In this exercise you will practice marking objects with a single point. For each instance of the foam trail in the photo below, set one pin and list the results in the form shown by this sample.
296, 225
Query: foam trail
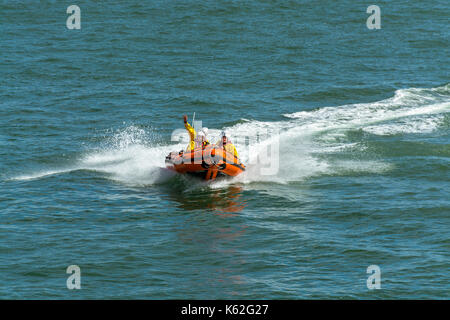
128, 156
42, 174
306, 140
307, 136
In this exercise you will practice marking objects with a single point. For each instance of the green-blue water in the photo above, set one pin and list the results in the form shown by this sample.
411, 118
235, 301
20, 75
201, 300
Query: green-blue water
361, 119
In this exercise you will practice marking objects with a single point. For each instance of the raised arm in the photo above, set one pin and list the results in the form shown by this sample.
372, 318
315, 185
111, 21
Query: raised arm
189, 128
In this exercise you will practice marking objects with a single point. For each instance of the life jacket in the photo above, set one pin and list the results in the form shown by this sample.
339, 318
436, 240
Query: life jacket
192, 136
229, 147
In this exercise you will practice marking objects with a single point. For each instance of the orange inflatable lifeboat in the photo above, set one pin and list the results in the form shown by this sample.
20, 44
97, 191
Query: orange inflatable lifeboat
208, 162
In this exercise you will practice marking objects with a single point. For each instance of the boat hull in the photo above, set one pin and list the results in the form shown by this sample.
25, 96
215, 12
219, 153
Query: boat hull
207, 163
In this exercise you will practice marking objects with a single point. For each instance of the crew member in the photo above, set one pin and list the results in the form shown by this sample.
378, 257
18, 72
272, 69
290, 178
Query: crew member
196, 140
226, 144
